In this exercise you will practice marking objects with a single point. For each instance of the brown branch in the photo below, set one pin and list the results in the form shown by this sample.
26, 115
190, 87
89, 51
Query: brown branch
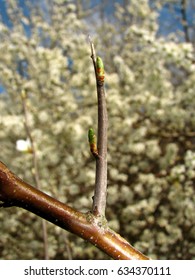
184, 20
15, 192
99, 200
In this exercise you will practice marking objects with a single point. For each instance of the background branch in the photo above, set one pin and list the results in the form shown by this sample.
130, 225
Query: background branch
184, 20
35, 172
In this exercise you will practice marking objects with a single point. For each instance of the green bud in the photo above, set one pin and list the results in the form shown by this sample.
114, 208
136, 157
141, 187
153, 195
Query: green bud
100, 69
92, 142
91, 136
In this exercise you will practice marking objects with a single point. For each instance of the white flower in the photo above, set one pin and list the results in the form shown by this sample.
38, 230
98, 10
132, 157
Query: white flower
138, 148
24, 145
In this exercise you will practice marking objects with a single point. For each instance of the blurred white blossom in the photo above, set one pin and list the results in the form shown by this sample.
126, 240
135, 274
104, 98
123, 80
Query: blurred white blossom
24, 145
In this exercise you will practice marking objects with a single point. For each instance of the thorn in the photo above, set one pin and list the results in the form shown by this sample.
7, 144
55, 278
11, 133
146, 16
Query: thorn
93, 54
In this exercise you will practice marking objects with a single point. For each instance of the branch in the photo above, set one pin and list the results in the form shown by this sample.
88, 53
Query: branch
36, 169
15, 192
99, 200
184, 20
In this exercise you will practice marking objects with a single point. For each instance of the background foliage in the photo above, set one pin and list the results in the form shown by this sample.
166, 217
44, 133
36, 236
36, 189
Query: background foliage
150, 83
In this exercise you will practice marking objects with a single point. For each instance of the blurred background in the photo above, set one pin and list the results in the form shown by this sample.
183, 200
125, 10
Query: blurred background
148, 52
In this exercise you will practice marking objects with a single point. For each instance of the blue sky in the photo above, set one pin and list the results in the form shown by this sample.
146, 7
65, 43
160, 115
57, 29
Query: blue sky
168, 22
3, 13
